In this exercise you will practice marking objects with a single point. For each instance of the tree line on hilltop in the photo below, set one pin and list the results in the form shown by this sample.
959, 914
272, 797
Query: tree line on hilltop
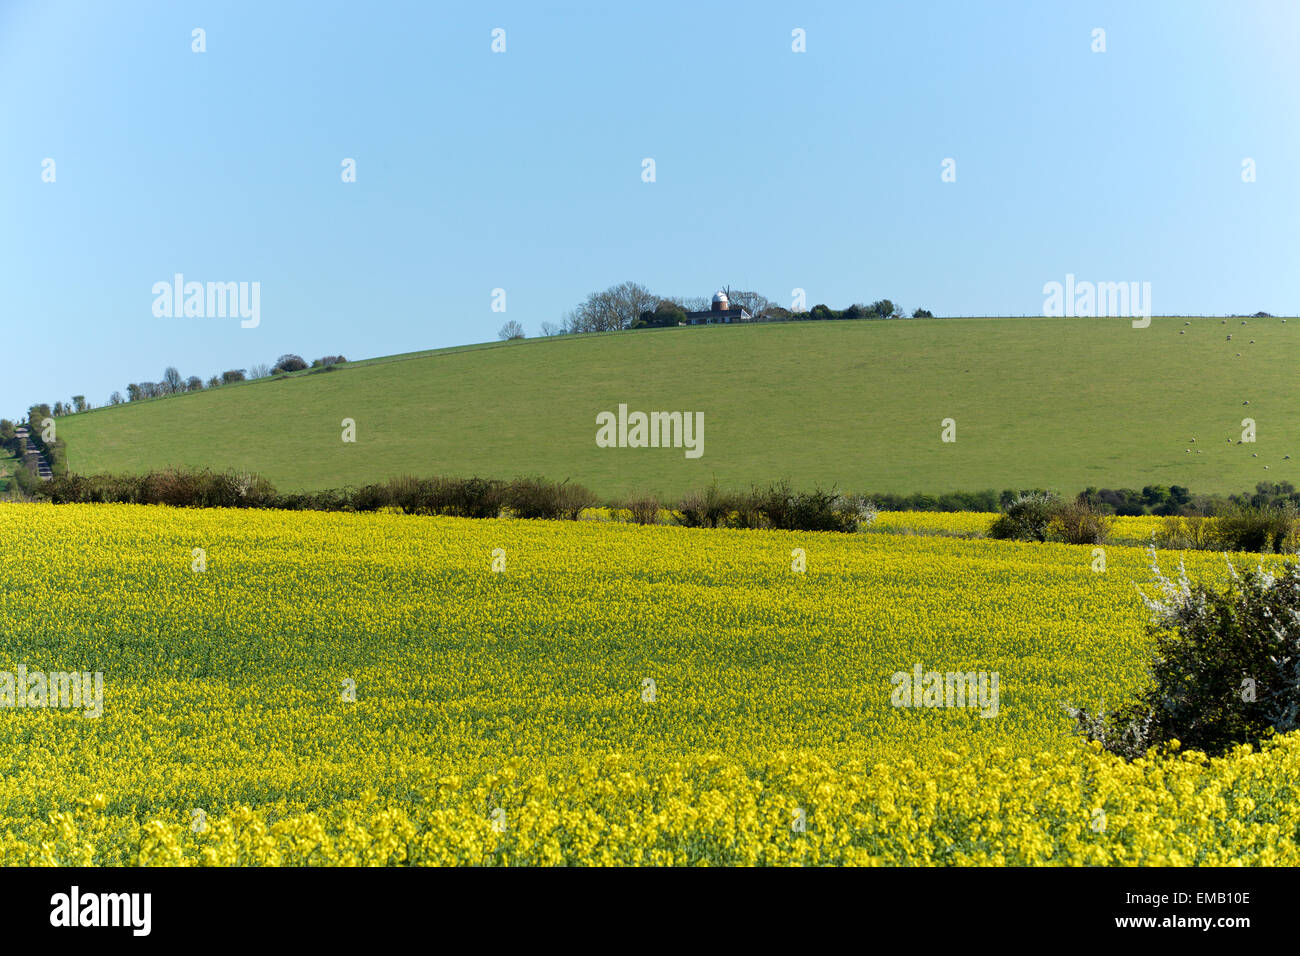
174, 383
630, 305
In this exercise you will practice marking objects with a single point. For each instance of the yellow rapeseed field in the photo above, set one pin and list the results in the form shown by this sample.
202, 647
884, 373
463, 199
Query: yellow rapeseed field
289, 688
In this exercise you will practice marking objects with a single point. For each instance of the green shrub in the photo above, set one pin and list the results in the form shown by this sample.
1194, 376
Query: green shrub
1077, 522
1225, 667
1027, 518
1265, 530
817, 510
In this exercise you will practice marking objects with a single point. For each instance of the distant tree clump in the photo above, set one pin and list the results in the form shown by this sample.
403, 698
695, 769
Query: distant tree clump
288, 363
666, 314
923, 314
616, 308
511, 330
234, 375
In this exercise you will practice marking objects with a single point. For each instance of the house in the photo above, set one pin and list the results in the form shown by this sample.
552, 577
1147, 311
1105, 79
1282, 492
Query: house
721, 311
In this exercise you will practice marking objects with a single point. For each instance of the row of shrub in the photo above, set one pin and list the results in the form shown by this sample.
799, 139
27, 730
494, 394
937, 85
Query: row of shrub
778, 506
460, 497
1031, 516
1172, 500
1270, 528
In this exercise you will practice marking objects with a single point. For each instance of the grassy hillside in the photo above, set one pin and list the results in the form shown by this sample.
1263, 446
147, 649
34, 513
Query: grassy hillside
1060, 403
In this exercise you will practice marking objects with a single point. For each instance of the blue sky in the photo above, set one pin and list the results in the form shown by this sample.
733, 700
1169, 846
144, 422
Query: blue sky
522, 170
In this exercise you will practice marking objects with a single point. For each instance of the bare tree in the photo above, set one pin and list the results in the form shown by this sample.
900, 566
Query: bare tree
753, 303
261, 370
612, 309
511, 330
550, 328
172, 381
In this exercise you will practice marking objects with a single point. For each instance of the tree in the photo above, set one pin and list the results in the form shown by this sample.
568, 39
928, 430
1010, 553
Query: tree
115, 398
666, 314
923, 314
615, 308
237, 375
60, 409
511, 330
259, 371
550, 328
79, 403
214, 382
753, 303
134, 392
194, 384
883, 308
172, 379
289, 363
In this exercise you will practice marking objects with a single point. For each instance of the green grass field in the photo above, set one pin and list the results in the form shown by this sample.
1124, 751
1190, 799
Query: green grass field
1059, 403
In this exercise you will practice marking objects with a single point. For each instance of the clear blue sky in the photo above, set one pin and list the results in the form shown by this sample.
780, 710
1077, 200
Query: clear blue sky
522, 170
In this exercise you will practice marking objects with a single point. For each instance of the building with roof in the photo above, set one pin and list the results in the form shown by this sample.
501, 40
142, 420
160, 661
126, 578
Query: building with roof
720, 311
